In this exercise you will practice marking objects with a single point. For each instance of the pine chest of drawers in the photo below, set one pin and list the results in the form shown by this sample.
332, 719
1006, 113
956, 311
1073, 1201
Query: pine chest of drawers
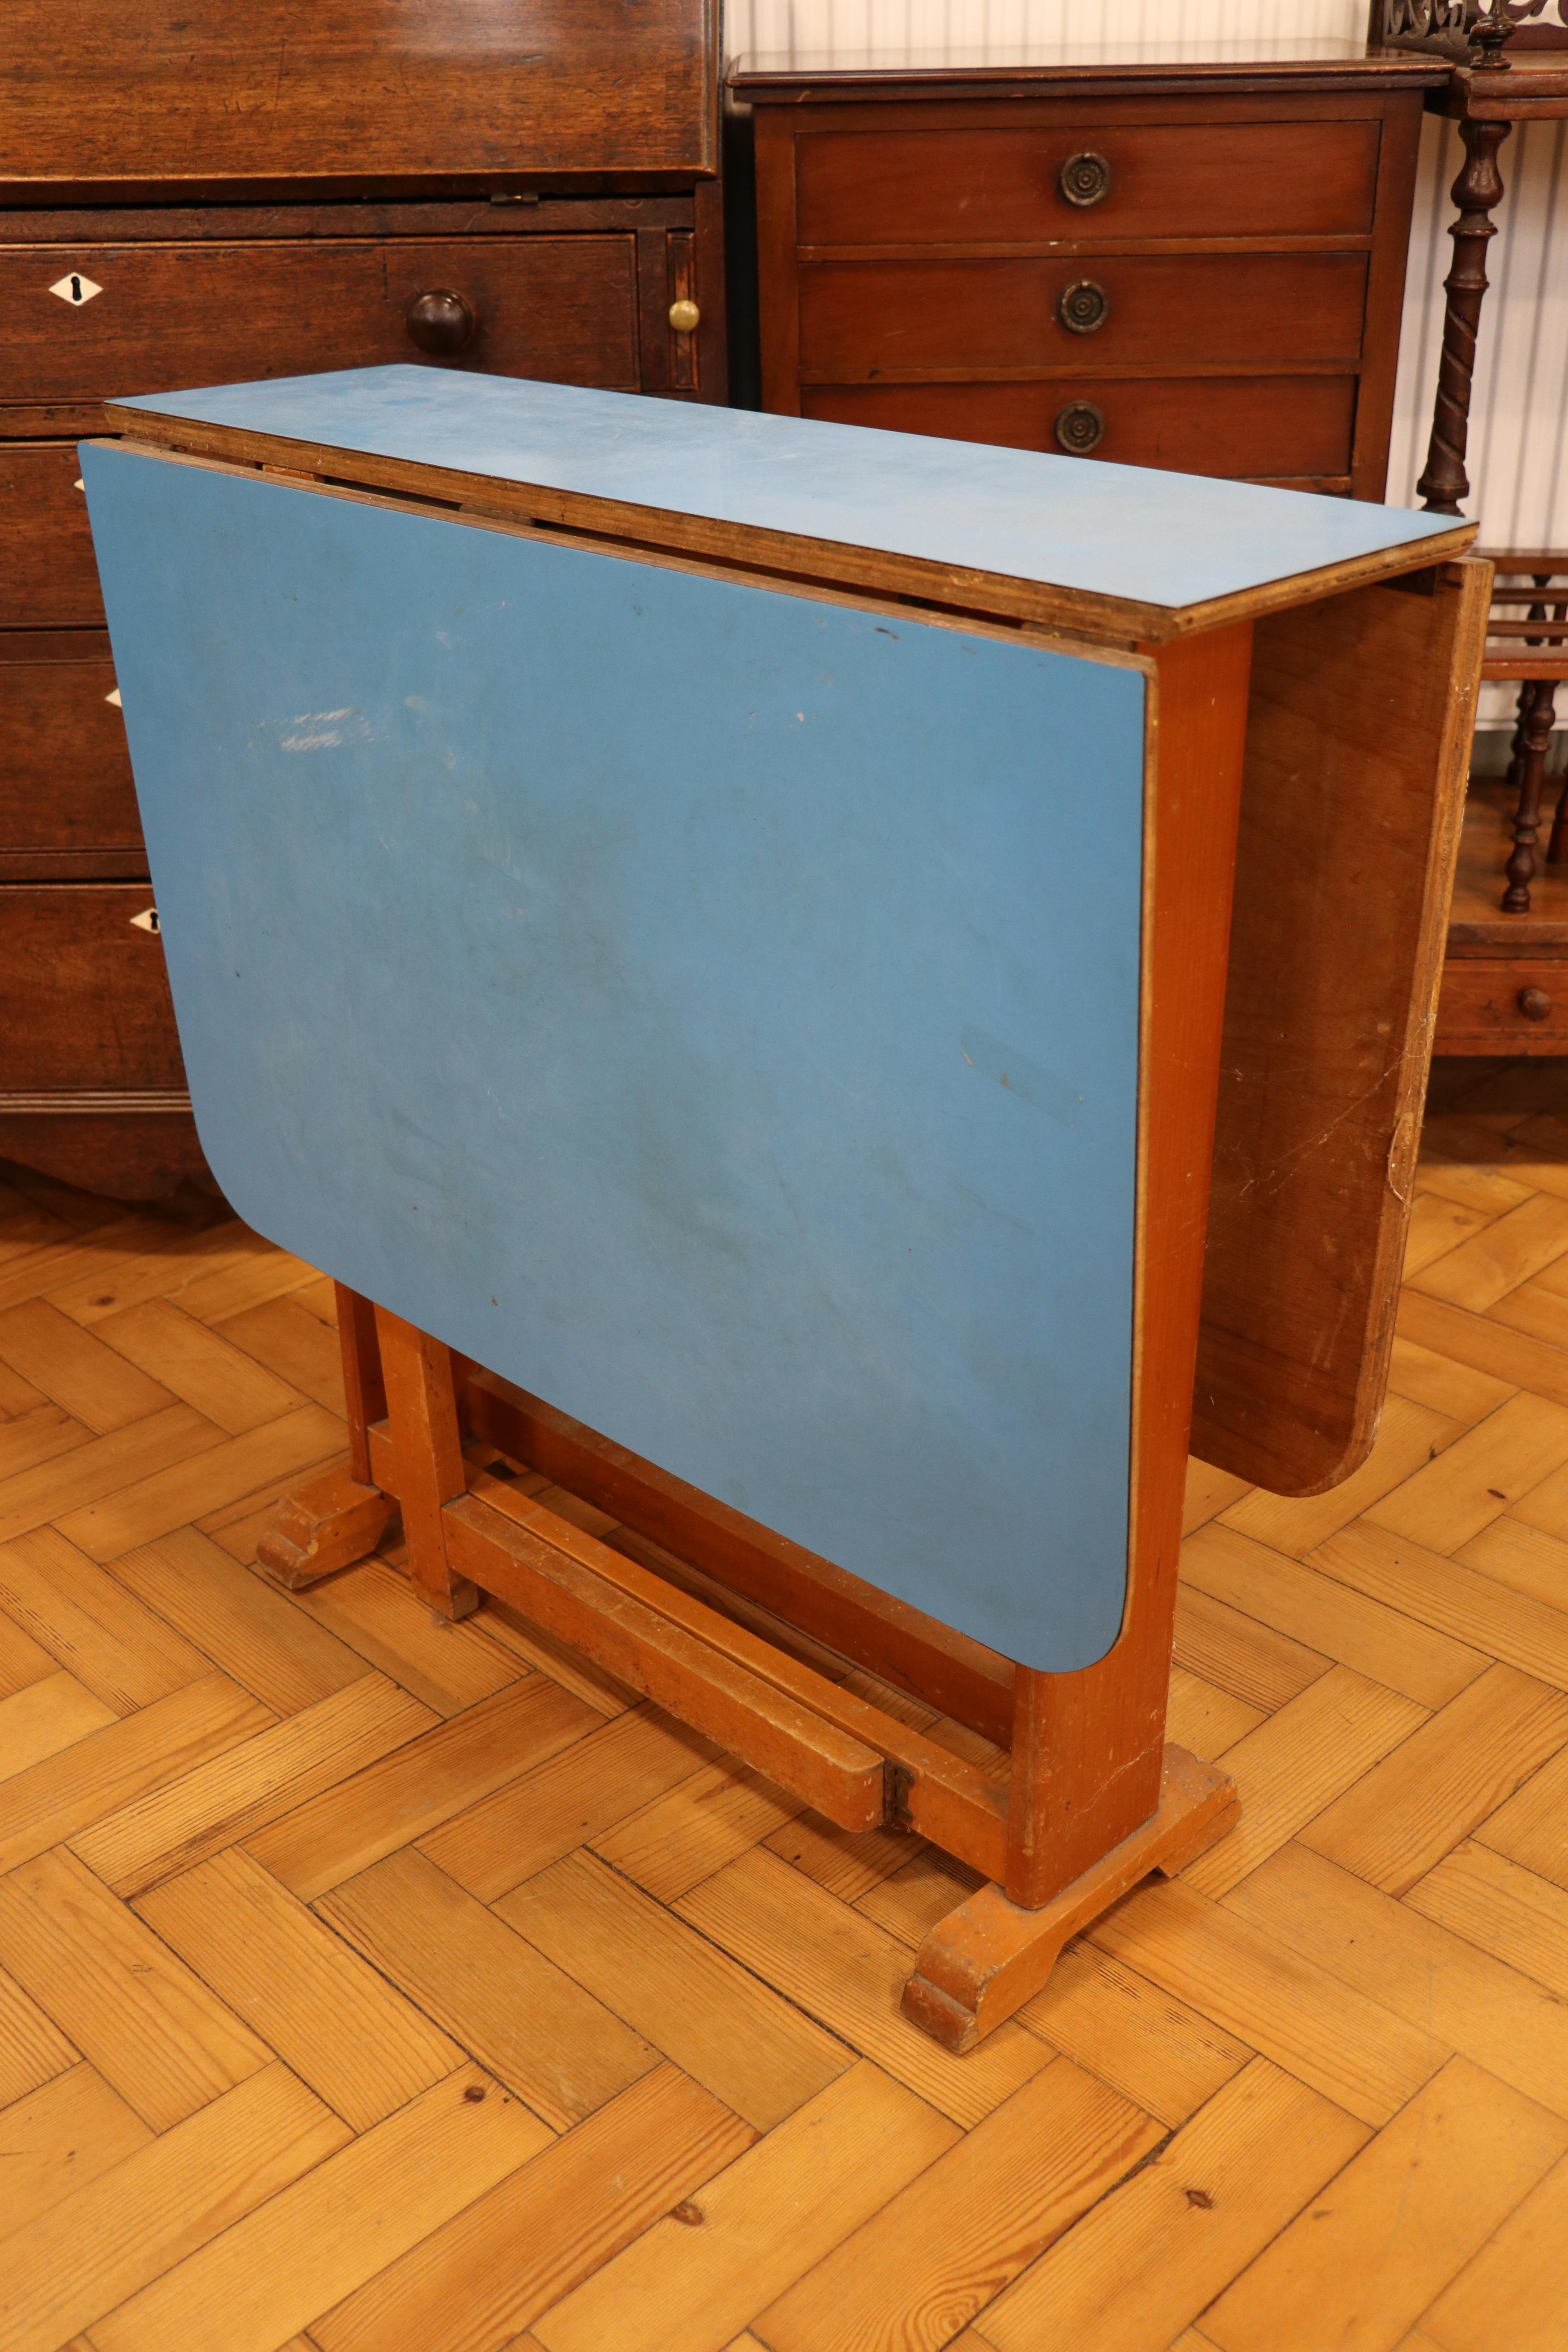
1197, 266
192, 194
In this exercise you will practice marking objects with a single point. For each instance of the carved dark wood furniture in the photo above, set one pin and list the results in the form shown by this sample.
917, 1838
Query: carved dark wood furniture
1185, 263
191, 192
1501, 993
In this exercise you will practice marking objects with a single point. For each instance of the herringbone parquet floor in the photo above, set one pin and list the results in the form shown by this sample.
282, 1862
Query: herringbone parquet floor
372, 1986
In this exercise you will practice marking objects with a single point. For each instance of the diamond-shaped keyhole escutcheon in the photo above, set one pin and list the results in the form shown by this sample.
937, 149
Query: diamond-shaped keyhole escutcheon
76, 289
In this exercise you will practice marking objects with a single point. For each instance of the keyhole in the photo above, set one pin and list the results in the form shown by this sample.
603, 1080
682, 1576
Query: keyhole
76, 287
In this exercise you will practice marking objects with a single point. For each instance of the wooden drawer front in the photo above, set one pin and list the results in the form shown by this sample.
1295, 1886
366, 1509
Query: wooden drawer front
1266, 427
47, 577
86, 994
1236, 179
1479, 1009
868, 318
65, 769
169, 316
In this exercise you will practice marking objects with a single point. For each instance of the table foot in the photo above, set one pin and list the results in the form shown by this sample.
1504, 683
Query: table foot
323, 1527
990, 1956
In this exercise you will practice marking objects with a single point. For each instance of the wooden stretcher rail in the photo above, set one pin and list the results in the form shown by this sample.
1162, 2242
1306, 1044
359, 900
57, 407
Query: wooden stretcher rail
854, 1763
953, 1674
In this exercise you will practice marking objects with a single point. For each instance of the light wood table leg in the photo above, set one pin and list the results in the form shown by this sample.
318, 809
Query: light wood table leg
343, 1515
427, 1447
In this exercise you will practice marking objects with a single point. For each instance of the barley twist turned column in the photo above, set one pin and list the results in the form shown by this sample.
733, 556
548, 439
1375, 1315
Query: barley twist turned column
1477, 192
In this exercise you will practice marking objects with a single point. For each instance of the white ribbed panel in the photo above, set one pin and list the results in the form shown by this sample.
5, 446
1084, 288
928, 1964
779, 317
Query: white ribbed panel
1519, 418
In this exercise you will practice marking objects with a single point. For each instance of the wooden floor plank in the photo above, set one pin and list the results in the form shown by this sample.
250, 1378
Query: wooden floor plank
693, 2280
58, 1799
222, 1381
850, 1974
741, 2041
1505, 1253
377, 1613
526, 2021
1536, 1308
1404, 1814
38, 1436
1208, 1490
1439, 1224
1516, 1552
1318, 1745
103, 1467
567, 1801
1453, 1497
315, 2242
1485, 1346
290, 1341
1149, 2257
169, 1498
846, 1864
1402, 2217
1409, 1437
1347, 2045
43, 1718
124, 1652
22, 1660
339, 2025
424, 1783
116, 2234
1533, 1827
93, 1381
245, 1626
1166, 2057
669, 1846
941, 2249
235, 1795
1202, 1718
1440, 1983
1249, 1660
474, 2284
57, 2139
1296, 1599
1507, 1910
153, 2029
1511, 2294
1447, 1387
1460, 1600
33, 2049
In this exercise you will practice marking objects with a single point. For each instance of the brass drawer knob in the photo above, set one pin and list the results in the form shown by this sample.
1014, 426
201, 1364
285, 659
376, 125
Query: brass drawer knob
1085, 178
441, 322
1534, 1004
1080, 428
1083, 306
684, 317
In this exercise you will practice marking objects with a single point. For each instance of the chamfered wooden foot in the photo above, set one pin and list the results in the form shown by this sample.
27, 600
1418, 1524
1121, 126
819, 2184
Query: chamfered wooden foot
323, 1527
984, 1959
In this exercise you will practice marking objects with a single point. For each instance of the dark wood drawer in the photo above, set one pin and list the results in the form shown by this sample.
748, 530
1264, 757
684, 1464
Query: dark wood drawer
1264, 428
47, 577
65, 769
1481, 1006
86, 994
866, 319
1004, 185
169, 316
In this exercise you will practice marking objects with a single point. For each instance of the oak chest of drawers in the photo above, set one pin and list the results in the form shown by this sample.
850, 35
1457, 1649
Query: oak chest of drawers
192, 194
1191, 265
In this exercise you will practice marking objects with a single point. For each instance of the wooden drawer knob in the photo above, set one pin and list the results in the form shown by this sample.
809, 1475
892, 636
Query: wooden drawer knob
684, 317
441, 322
1085, 178
1534, 1004
1080, 428
1083, 306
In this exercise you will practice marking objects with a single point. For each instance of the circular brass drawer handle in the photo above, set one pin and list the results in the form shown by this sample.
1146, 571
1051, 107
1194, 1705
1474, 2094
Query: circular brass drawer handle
1085, 178
441, 322
1534, 1004
685, 317
1083, 306
1080, 428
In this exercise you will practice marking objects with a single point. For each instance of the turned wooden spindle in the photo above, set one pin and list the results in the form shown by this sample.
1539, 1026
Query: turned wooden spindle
1521, 866
1477, 191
